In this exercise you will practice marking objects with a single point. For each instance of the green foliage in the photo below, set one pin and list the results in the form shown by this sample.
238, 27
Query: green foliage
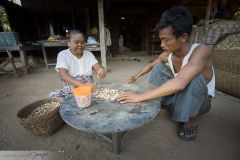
4, 20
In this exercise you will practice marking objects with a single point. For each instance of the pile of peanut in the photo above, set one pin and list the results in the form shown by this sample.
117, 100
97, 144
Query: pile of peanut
44, 109
108, 94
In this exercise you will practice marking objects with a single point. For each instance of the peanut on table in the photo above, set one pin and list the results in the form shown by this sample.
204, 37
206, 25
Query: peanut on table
108, 93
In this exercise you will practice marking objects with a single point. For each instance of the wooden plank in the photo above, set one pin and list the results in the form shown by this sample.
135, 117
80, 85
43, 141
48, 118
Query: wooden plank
102, 33
208, 11
87, 21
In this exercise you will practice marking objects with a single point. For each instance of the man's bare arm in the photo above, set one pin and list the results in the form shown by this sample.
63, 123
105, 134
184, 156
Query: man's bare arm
195, 67
161, 58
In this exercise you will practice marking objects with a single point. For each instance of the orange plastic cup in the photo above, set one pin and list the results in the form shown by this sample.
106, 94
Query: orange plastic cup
82, 96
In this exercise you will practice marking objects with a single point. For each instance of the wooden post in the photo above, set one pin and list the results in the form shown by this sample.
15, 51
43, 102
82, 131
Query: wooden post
208, 12
51, 30
73, 19
207, 17
87, 21
102, 33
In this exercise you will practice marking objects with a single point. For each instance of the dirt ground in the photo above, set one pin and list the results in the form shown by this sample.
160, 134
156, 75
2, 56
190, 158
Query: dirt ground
218, 136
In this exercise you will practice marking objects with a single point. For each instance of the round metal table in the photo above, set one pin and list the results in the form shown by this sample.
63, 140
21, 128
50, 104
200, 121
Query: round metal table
110, 119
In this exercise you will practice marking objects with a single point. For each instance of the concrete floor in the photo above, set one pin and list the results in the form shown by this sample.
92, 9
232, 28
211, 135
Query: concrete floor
218, 136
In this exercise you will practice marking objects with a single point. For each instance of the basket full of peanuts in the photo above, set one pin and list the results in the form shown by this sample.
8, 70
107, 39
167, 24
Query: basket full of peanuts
41, 117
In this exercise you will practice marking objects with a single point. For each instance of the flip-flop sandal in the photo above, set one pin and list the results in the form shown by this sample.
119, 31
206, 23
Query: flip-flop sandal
188, 131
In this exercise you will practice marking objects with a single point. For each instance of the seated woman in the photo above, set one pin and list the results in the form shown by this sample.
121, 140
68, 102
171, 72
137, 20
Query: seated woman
75, 65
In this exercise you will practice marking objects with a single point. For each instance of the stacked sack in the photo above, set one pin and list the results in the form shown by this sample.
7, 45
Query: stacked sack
226, 61
220, 28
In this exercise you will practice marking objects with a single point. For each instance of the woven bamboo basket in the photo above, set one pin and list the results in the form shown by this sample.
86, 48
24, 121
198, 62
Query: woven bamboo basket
227, 60
45, 124
228, 82
218, 29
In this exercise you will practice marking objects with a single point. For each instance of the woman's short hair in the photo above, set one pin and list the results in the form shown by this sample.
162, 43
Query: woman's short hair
75, 31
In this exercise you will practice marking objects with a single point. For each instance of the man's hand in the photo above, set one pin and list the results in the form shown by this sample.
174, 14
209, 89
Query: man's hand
128, 80
163, 57
129, 97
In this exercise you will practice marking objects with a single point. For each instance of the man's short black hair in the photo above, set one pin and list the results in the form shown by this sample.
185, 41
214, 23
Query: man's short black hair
179, 18
75, 31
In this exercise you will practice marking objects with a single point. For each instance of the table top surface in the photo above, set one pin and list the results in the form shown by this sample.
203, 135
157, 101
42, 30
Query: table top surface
109, 116
63, 43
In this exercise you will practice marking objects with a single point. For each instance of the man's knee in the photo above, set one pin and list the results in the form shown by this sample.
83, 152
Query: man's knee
155, 75
192, 100
198, 84
157, 68
160, 74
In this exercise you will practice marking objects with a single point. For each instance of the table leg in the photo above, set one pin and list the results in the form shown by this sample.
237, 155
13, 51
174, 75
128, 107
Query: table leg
116, 142
23, 56
44, 56
115, 139
12, 62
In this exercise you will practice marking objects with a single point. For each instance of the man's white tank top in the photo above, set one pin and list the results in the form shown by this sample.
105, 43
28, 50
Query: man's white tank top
211, 83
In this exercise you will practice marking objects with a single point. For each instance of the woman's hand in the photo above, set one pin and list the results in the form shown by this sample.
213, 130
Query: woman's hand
100, 70
128, 80
101, 73
92, 85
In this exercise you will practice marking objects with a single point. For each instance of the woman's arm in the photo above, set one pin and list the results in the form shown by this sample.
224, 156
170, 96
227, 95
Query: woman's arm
100, 70
65, 76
